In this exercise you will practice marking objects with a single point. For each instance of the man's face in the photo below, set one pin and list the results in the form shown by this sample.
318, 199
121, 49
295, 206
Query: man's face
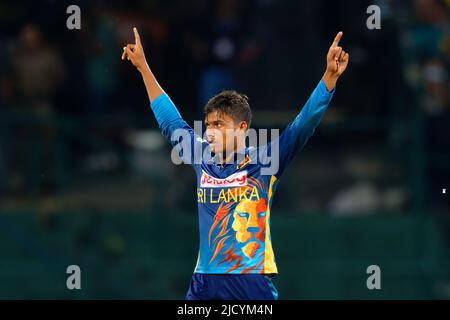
223, 133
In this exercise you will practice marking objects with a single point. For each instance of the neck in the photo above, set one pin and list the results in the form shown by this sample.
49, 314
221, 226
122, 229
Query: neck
226, 158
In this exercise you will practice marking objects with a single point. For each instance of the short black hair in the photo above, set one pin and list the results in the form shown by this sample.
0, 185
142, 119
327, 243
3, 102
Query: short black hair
231, 103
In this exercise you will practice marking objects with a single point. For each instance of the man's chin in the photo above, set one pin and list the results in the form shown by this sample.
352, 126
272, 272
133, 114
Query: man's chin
214, 149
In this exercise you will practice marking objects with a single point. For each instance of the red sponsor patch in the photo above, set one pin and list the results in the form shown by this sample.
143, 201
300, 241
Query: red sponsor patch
237, 179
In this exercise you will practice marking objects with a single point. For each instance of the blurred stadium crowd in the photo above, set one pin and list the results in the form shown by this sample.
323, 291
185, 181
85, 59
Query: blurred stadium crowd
77, 130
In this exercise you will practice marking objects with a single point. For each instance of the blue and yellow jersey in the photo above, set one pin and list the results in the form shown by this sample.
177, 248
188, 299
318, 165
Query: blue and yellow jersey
234, 199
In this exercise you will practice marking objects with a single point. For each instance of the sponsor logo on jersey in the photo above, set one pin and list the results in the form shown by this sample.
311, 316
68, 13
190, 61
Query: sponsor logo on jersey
238, 179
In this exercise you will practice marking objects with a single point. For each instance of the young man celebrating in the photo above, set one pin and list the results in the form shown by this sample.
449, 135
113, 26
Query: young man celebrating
234, 193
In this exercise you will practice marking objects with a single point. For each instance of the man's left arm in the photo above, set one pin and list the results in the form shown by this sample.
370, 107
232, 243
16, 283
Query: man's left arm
297, 133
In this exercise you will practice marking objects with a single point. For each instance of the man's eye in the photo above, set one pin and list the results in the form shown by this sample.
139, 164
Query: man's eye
242, 214
262, 214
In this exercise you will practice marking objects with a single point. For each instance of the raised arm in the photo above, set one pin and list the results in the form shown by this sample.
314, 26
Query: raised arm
297, 133
172, 125
135, 54
337, 61
166, 114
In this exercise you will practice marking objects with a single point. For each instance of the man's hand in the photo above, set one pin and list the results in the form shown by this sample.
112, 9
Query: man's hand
135, 53
337, 61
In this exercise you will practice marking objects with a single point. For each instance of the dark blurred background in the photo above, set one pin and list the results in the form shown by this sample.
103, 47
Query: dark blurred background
86, 176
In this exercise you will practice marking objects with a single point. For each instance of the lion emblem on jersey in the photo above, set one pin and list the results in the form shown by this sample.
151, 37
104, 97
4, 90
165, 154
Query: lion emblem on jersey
238, 233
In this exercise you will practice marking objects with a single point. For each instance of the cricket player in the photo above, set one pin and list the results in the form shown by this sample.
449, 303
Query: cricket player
234, 194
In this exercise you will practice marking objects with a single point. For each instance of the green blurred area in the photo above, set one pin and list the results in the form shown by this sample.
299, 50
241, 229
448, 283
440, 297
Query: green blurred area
152, 256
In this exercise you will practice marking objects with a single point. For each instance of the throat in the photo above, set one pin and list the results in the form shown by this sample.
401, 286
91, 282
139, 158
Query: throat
232, 157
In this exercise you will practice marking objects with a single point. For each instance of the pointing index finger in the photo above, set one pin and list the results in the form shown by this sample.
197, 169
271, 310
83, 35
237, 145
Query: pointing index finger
137, 38
337, 39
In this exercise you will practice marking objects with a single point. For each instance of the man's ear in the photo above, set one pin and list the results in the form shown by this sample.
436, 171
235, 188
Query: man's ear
243, 125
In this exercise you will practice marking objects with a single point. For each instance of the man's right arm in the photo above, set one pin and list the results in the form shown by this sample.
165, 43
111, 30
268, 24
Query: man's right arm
135, 54
166, 114
165, 111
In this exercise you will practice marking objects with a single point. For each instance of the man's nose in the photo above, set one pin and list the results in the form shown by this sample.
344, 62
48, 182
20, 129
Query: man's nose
209, 133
